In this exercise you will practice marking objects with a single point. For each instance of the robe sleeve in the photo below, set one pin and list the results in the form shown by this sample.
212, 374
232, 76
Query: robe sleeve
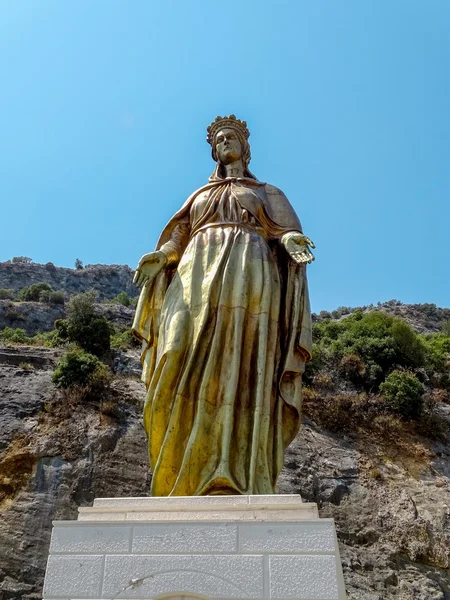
281, 210
177, 243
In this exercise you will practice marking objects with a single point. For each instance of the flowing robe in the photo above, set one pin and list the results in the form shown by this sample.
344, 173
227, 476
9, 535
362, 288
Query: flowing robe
226, 331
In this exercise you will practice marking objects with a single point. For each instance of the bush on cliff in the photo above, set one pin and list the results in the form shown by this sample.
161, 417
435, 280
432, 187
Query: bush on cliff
438, 352
403, 394
122, 298
83, 327
79, 369
31, 293
14, 336
21, 260
50, 297
7, 294
124, 340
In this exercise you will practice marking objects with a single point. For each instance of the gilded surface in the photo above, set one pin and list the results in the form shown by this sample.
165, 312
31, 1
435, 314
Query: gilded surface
225, 326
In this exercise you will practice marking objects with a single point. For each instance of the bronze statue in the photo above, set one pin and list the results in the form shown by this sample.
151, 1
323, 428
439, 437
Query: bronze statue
225, 325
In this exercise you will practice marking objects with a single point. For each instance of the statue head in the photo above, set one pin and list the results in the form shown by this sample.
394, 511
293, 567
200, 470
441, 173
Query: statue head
228, 137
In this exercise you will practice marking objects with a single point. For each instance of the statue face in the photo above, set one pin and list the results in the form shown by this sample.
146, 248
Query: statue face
228, 146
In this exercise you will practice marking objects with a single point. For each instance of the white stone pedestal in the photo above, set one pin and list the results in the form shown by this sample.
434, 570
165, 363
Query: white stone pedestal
221, 547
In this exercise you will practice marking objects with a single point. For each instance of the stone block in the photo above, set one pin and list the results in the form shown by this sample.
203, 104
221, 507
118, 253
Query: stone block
200, 508
309, 537
303, 578
184, 538
108, 516
75, 576
106, 539
173, 502
219, 576
278, 500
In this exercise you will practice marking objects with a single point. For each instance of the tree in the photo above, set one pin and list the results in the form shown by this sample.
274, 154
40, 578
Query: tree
23, 260
79, 264
90, 331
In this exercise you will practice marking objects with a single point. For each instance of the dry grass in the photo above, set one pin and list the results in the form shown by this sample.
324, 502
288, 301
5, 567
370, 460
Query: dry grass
110, 408
26, 366
359, 414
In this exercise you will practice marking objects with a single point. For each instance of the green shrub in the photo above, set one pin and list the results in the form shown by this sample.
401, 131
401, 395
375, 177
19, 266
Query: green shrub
341, 311
44, 296
90, 331
124, 340
93, 334
81, 305
81, 369
47, 338
19, 336
403, 394
7, 294
381, 341
15, 336
57, 297
33, 292
122, 298
316, 364
437, 352
61, 331
49, 297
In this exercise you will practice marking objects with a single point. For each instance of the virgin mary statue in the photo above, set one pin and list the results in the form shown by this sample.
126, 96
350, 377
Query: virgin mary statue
225, 325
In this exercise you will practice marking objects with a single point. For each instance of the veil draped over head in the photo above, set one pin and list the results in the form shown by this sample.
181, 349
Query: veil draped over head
219, 171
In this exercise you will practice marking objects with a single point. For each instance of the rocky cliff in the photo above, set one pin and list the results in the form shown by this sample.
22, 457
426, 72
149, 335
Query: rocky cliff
390, 499
107, 280
388, 489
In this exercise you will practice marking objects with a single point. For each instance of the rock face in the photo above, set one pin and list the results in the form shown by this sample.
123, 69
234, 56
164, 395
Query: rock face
56, 455
30, 316
36, 317
107, 280
392, 509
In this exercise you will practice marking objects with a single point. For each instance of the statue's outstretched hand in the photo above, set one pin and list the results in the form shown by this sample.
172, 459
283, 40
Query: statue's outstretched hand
297, 246
148, 267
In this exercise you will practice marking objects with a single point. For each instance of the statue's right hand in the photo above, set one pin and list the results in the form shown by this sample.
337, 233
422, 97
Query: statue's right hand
148, 267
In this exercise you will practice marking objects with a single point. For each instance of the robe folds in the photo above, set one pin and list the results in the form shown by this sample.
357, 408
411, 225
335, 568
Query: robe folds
225, 332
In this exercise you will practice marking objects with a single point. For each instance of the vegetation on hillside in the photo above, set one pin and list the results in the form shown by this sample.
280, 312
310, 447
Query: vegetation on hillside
372, 370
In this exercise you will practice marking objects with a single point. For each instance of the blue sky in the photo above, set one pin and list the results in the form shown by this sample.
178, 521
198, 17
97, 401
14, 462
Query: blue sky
104, 106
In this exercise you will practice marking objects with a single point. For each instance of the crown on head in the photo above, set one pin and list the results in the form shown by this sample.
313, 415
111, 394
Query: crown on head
221, 122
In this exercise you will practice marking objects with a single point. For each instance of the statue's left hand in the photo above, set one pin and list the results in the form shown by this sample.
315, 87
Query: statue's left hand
297, 246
